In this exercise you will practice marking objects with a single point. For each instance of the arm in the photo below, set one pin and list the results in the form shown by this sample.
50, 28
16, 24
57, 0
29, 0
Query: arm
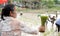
26, 29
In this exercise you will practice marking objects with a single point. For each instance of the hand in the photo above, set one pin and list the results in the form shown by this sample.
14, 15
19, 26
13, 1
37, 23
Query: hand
34, 32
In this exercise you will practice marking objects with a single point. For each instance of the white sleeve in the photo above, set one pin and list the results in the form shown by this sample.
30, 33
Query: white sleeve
26, 29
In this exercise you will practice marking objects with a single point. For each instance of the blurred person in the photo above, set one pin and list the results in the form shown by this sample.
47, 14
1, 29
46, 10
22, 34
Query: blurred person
52, 19
58, 24
10, 26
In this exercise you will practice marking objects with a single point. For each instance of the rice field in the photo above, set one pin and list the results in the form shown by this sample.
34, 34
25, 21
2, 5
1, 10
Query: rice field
33, 21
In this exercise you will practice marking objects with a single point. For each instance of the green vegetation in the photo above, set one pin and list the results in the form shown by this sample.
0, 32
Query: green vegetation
50, 5
43, 20
57, 1
0, 10
38, 5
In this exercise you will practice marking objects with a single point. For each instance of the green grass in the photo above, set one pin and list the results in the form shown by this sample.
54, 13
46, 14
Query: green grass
38, 10
54, 9
43, 20
18, 9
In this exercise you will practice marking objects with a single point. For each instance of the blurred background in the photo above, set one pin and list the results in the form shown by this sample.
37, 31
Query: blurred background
30, 11
33, 5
